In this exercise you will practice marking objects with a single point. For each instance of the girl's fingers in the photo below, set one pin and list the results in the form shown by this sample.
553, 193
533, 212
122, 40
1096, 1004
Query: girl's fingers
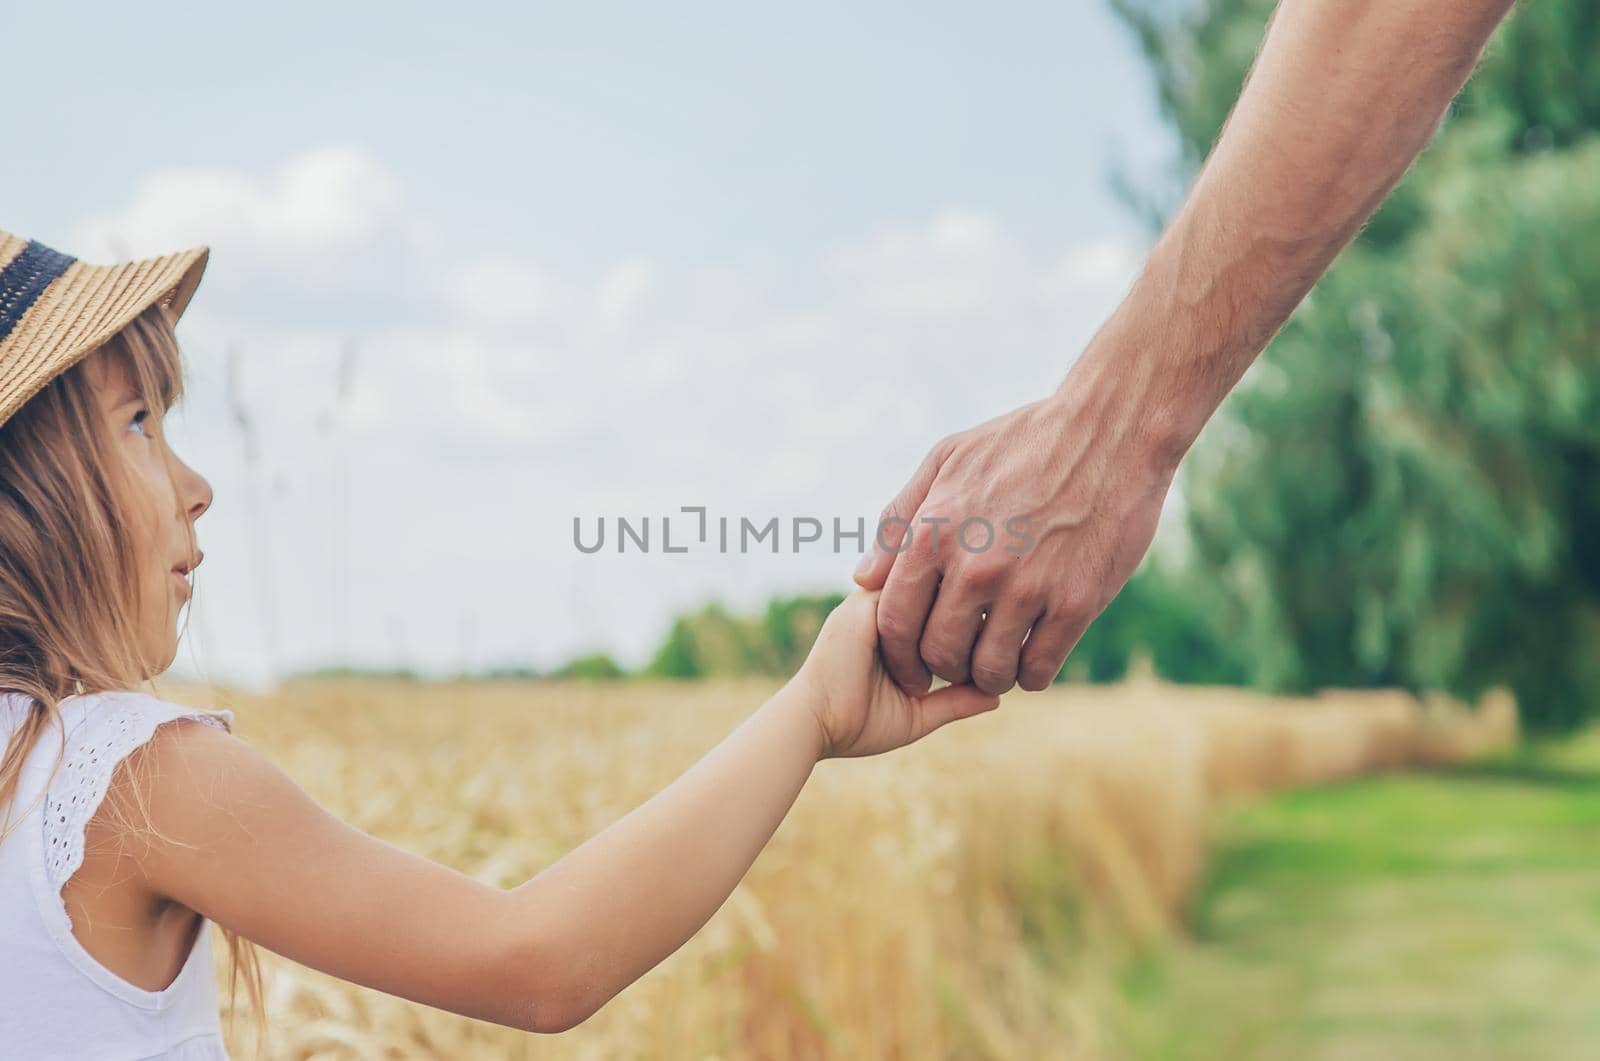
950, 703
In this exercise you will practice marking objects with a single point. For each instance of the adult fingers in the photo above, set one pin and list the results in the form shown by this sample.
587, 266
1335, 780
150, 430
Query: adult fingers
902, 613
1052, 639
894, 523
998, 655
952, 631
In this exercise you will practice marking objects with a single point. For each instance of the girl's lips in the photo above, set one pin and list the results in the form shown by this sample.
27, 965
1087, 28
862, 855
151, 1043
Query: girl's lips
183, 569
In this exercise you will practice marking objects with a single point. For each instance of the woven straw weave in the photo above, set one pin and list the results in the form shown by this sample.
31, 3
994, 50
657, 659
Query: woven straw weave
81, 309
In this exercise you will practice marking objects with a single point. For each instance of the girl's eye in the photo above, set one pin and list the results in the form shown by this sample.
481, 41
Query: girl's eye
139, 422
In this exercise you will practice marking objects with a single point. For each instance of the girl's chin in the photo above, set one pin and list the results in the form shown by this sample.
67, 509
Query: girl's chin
160, 648
164, 660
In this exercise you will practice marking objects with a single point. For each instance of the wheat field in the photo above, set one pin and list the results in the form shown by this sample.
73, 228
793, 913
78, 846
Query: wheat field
969, 896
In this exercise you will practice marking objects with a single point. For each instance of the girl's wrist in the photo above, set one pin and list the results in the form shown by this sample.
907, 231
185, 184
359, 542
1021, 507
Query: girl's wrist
803, 703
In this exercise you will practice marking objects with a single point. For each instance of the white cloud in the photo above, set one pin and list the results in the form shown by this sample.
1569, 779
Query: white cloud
332, 198
622, 291
957, 263
1101, 263
325, 236
501, 292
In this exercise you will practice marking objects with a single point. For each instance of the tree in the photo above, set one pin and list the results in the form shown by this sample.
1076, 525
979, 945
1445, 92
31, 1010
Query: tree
1159, 615
676, 657
596, 666
1405, 489
712, 643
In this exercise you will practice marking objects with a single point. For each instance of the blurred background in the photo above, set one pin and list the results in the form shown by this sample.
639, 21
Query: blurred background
479, 274
476, 276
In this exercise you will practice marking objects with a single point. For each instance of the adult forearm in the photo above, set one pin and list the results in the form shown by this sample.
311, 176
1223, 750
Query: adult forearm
1343, 96
618, 904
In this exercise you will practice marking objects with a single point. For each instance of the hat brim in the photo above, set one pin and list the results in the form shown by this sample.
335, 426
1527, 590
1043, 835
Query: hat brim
82, 309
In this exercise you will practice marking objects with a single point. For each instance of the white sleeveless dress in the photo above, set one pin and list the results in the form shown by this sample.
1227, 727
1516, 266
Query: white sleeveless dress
56, 1000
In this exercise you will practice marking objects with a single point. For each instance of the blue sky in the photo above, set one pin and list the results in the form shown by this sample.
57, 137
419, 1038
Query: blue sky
592, 260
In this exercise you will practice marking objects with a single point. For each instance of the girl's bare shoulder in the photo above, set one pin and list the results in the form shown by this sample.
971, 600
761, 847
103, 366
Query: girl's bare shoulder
105, 738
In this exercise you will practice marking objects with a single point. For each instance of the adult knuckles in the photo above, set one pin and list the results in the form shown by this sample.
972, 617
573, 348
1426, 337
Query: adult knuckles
992, 677
1074, 607
892, 525
1034, 678
896, 627
944, 658
1043, 659
928, 546
983, 578
944, 448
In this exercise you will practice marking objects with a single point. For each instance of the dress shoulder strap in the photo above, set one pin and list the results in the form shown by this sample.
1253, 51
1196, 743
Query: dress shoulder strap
102, 729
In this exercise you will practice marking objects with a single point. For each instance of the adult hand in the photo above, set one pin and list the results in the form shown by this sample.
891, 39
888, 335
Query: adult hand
1341, 98
1071, 487
859, 708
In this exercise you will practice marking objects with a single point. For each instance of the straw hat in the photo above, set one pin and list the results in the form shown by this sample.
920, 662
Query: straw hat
54, 309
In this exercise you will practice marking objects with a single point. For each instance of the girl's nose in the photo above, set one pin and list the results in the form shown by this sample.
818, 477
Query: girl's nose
202, 501
195, 490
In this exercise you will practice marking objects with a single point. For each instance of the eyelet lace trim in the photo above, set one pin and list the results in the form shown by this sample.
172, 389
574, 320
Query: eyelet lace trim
109, 732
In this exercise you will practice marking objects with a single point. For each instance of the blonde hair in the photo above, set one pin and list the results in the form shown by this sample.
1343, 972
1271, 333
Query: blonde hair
69, 591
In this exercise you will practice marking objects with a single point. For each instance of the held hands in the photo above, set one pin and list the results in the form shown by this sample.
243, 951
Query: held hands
1086, 474
859, 708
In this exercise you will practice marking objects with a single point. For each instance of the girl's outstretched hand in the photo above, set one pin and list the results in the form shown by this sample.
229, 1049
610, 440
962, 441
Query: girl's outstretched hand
861, 710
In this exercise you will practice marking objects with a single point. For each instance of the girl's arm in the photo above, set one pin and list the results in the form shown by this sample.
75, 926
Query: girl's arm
636, 892
250, 850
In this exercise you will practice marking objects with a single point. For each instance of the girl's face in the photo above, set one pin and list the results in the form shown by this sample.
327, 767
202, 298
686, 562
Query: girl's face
168, 496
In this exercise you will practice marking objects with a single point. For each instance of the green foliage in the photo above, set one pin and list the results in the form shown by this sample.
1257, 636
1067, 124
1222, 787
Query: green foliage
676, 657
1479, 877
1538, 85
712, 643
1406, 488
791, 626
597, 666
1159, 616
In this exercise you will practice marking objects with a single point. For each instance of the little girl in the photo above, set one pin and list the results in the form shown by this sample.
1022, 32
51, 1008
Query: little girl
129, 821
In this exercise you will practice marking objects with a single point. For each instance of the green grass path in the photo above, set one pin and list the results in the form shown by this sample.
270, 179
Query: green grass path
1451, 915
